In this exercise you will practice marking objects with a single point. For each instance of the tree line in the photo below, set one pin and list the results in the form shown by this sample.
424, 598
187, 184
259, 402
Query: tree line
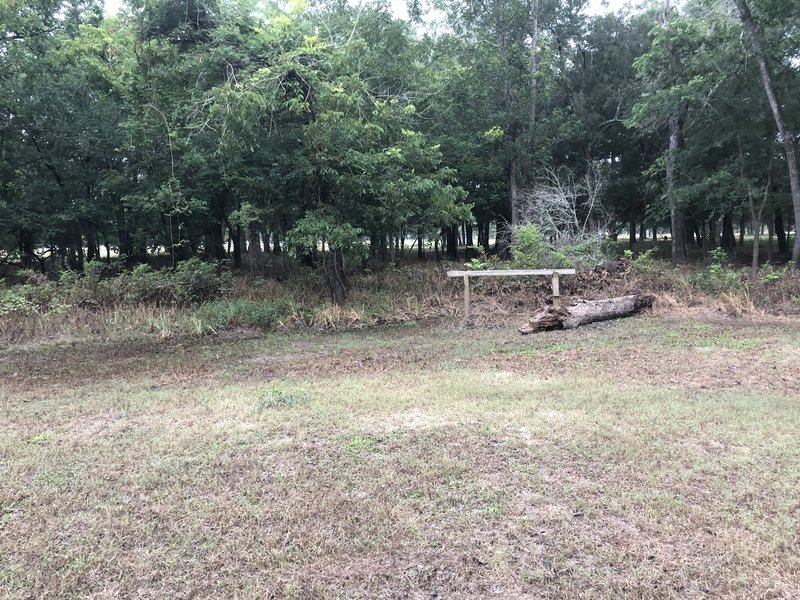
334, 131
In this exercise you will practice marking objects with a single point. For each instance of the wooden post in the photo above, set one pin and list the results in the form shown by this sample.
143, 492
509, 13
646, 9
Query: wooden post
556, 291
466, 298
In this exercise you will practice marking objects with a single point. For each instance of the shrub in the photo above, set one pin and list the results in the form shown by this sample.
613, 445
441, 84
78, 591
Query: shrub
17, 300
196, 281
36, 295
644, 262
532, 251
718, 277
191, 282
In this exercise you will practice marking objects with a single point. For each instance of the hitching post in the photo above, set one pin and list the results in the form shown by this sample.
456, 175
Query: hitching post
466, 298
556, 291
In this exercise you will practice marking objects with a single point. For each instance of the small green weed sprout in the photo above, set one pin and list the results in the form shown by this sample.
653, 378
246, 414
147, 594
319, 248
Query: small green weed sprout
277, 396
361, 442
39, 438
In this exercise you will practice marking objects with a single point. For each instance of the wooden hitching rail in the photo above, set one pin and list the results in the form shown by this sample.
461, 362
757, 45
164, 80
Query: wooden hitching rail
554, 273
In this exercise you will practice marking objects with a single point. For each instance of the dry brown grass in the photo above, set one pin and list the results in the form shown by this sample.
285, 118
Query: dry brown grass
651, 457
418, 293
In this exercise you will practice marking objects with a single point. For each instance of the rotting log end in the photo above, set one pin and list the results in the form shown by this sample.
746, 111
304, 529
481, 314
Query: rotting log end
550, 317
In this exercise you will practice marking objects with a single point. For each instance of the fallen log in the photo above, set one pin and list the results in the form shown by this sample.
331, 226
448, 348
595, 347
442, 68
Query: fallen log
585, 312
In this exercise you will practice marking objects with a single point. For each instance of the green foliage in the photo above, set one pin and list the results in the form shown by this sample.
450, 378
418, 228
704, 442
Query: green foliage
196, 281
190, 131
479, 262
361, 443
35, 295
191, 282
277, 397
644, 262
40, 438
532, 251
773, 275
17, 300
317, 230
226, 314
718, 276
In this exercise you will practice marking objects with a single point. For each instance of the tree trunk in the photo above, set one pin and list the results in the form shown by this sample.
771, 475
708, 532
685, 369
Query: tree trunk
452, 243
698, 235
92, 249
770, 236
780, 232
642, 232
75, 245
514, 187
727, 239
777, 114
254, 251
741, 228
339, 279
583, 313
712, 234
756, 213
632, 234
420, 246
236, 239
677, 217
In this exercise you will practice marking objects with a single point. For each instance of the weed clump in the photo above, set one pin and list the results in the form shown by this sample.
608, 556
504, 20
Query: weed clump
276, 397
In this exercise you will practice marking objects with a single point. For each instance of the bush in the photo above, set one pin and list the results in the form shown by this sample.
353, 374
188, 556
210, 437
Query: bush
142, 285
225, 314
196, 281
718, 277
36, 295
531, 250
17, 300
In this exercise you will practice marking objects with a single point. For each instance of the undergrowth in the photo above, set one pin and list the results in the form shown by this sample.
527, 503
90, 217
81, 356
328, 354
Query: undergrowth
197, 299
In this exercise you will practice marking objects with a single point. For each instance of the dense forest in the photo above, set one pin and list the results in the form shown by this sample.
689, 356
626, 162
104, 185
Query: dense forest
229, 129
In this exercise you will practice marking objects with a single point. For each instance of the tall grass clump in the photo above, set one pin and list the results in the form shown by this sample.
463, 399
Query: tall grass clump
231, 313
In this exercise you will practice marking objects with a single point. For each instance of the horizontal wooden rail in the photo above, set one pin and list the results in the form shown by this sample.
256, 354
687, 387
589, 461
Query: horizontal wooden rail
555, 273
509, 272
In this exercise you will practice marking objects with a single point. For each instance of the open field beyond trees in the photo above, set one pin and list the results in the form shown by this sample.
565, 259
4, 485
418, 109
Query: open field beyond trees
655, 456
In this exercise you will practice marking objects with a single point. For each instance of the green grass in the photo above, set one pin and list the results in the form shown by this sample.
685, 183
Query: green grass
604, 462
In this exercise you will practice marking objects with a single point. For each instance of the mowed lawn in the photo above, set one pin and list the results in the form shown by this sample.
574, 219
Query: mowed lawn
650, 457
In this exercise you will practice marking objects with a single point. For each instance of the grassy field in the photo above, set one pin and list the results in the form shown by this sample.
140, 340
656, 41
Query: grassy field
650, 457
